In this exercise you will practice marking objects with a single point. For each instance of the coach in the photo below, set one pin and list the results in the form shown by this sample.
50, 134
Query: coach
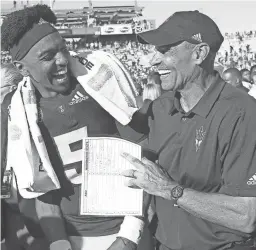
204, 131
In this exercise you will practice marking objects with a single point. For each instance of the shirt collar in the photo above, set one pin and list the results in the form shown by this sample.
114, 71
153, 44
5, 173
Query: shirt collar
205, 104
175, 107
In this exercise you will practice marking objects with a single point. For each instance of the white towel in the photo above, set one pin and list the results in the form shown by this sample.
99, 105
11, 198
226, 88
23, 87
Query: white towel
27, 153
109, 83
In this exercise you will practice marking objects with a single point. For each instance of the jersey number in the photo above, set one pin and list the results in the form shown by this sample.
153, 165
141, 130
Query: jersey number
63, 143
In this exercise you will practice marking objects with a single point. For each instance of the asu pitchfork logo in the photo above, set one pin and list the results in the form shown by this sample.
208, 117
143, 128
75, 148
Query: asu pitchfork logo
200, 134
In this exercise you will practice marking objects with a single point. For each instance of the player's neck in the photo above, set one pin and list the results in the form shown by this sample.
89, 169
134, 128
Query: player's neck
48, 94
43, 92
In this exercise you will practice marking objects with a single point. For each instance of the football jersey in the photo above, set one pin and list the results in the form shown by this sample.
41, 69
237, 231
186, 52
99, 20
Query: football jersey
64, 120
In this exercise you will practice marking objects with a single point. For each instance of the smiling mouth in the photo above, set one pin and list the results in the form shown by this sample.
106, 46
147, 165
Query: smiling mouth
164, 72
61, 76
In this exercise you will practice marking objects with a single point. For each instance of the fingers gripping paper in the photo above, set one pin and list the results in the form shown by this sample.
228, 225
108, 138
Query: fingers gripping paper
106, 80
103, 187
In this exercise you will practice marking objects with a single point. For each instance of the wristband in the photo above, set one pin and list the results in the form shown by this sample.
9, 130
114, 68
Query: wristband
131, 229
61, 245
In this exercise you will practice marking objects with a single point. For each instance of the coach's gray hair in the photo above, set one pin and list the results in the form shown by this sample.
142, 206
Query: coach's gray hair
208, 63
189, 46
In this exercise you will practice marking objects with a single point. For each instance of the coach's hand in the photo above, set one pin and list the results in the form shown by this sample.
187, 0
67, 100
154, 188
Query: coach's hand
149, 176
122, 244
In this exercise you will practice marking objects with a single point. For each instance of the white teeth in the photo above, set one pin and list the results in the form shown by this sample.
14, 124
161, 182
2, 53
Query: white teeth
164, 71
62, 79
61, 73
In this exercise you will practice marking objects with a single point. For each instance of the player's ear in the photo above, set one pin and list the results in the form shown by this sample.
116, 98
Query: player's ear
21, 67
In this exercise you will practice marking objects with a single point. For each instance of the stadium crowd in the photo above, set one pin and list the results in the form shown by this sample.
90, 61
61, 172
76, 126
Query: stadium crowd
239, 55
133, 54
241, 35
197, 123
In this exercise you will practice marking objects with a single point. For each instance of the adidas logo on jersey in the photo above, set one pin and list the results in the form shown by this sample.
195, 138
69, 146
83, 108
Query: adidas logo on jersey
78, 97
252, 180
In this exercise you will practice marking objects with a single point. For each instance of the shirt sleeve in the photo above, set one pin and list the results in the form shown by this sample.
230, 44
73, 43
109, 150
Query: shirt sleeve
140, 119
128, 133
239, 155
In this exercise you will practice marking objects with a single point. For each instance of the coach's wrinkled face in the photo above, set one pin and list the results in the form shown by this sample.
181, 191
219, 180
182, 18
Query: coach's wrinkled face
47, 64
179, 63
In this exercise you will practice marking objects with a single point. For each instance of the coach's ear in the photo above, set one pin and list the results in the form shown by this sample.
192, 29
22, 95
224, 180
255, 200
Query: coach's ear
21, 67
200, 53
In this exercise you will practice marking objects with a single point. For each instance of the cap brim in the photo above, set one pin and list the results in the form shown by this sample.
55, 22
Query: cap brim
157, 37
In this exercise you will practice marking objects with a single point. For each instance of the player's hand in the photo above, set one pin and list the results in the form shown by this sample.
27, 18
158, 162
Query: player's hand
122, 244
149, 176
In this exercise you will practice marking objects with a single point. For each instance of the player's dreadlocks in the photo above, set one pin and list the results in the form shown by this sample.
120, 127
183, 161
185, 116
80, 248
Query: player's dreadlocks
17, 23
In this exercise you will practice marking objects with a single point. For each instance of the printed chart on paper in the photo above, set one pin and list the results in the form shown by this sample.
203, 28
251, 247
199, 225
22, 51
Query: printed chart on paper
103, 188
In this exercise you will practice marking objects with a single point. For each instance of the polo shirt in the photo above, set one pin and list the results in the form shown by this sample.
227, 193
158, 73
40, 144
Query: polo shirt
242, 88
211, 149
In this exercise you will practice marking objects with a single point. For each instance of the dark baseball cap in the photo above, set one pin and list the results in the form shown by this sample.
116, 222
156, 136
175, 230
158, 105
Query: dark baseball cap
191, 26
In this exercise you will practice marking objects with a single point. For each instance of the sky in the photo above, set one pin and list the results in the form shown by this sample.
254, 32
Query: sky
229, 15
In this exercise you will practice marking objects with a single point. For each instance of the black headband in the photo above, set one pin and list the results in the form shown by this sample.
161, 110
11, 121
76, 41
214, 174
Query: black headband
31, 37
